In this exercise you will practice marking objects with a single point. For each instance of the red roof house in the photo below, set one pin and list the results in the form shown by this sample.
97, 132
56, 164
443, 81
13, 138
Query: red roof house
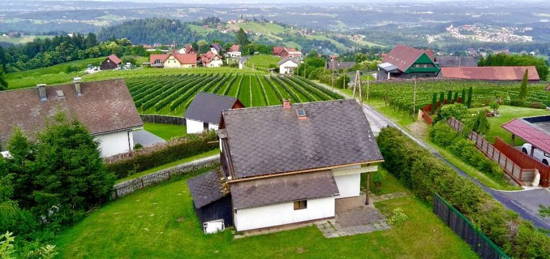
210, 59
173, 60
492, 73
111, 62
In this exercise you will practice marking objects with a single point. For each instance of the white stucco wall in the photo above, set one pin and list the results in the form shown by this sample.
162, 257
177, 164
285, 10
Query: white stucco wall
348, 185
234, 54
287, 67
281, 214
194, 127
115, 143
172, 62
213, 126
215, 63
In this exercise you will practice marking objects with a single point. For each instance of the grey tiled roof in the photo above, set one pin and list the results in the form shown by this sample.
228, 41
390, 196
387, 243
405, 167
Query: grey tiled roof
205, 189
281, 189
103, 107
207, 107
270, 140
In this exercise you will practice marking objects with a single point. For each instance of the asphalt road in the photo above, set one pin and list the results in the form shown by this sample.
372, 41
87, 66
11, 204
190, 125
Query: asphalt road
525, 202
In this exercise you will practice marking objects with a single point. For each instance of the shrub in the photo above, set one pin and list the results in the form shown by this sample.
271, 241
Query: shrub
425, 175
151, 157
398, 217
458, 110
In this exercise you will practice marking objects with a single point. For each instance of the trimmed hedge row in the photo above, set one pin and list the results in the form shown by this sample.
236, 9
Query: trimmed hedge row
152, 157
425, 175
443, 135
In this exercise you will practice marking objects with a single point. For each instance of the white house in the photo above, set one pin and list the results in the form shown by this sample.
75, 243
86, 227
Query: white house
210, 59
104, 107
287, 66
287, 164
234, 51
173, 60
205, 111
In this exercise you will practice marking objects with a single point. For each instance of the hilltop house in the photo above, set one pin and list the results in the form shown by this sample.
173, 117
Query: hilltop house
111, 62
173, 60
287, 66
234, 51
211, 59
285, 52
283, 165
205, 111
406, 62
491, 73
104, 107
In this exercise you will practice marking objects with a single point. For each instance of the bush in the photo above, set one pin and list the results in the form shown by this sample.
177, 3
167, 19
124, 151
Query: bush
148, 158
425, 175
458, 111
444, 136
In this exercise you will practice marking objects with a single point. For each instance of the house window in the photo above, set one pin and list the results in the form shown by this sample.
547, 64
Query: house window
300, 205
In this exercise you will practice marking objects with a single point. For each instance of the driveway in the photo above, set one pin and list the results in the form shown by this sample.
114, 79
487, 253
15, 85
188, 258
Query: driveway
525, 203
146, 138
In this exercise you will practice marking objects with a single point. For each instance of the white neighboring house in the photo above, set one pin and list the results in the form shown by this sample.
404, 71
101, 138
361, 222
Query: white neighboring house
205, 111
104, 107
287, 66
234, 51
286, 164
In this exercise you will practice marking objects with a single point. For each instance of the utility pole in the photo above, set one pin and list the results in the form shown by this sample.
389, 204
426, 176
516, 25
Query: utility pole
368, 88
360, 87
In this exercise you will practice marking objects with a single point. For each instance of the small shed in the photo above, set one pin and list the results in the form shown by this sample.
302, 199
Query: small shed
205, 111
212, 202
111, 62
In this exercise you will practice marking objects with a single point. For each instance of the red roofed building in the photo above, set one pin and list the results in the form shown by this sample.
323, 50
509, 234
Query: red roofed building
111, 62
492, 73
407, 62
234, 51
285, 52
173, 60
210, 59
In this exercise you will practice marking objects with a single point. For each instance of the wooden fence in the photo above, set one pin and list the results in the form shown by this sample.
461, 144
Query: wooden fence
522, 176
130, 186
156, 118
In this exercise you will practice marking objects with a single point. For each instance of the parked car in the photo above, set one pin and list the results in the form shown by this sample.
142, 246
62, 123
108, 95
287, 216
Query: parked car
538, 154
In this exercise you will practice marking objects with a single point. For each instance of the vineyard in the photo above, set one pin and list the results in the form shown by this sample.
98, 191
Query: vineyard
400, 94
172, 94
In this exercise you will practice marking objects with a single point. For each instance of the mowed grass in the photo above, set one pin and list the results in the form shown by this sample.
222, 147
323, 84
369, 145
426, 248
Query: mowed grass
166, 131
508, 113
50, 75
160, 222
263, 62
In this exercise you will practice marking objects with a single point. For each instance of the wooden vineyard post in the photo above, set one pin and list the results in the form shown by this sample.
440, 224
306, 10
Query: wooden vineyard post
414, 96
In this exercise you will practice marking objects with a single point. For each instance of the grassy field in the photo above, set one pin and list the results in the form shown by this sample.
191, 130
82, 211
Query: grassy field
160, 222
21, 40
166, 131
50, 75
508, 113
172, 94
263, 62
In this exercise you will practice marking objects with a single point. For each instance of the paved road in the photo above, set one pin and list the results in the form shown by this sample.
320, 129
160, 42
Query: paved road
525, 203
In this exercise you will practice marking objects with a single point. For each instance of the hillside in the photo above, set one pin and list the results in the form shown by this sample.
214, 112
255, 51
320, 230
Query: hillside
168, 31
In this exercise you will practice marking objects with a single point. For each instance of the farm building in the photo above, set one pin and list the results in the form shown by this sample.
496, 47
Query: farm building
205, 111
456, 61
535, 131
210, 59
287, 66
285, 52
173, 60
405, 62
234, 51
493, 73
187, 49
111, 62
216, 49
293, 163
104, 107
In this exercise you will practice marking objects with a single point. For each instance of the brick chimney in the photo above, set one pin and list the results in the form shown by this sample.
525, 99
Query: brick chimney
287, 104
77, 89
42, 92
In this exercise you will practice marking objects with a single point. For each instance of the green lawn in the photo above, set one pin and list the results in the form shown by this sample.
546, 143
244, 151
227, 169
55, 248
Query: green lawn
402, 118
262, 62
508, 113
166, 131
159, 222
171, 164
50, 75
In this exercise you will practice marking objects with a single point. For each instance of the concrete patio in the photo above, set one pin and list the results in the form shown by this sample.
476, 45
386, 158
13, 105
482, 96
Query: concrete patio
353, 217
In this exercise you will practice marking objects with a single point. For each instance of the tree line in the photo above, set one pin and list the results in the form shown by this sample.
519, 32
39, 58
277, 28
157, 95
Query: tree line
44, 52
502, 59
